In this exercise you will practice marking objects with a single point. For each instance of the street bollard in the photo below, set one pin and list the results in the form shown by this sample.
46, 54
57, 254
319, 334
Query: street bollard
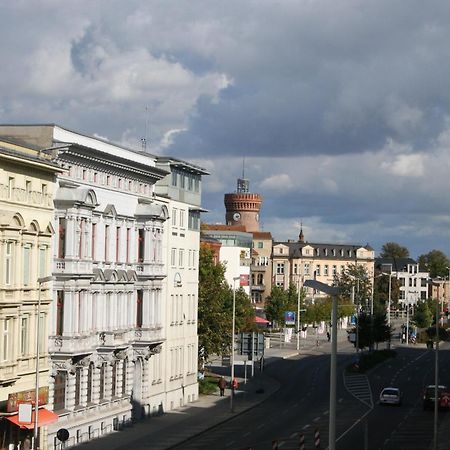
316, 438
302, 442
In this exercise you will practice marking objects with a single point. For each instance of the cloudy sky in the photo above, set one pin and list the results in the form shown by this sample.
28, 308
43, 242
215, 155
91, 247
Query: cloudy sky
340, 108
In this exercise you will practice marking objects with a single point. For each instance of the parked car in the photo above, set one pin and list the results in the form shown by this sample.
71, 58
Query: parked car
391, 396
443, 396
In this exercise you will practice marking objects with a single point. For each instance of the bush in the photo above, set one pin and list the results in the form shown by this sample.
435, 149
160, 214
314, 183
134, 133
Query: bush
208, 385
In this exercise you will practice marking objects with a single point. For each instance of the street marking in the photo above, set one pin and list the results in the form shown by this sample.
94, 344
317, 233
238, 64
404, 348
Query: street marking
260, 426
247, 434
316, 419
293, 435
306, 426
229, 444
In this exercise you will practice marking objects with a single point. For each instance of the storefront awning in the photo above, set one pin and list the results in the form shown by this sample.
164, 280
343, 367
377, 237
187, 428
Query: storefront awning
44, 418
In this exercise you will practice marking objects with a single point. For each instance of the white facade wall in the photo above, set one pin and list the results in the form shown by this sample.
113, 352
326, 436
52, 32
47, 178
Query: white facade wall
237, 262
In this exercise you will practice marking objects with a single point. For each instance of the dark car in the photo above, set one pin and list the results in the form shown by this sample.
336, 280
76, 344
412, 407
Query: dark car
443, 397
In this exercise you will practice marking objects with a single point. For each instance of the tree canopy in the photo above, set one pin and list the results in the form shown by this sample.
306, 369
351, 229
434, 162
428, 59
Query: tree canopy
436, 263
394, 250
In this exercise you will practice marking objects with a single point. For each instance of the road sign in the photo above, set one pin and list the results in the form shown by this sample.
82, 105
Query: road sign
289, 317
251, 344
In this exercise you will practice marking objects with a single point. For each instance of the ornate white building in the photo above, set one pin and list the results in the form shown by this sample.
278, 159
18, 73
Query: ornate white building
120, 345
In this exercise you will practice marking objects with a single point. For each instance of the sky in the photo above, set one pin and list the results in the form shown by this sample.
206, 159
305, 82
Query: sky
341, 109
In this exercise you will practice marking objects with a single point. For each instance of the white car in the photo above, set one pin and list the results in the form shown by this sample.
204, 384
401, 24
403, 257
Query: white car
391, 396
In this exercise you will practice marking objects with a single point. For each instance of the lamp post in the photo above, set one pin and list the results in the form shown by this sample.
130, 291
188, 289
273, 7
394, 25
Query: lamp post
299, 299
38, 337
333, 292
232, 342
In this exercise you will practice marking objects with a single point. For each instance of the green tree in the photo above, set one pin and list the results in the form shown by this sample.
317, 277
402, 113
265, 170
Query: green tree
355, 284
214, 321
276, 304
381, 291
423, 316
394, 250
435, 262
381, 330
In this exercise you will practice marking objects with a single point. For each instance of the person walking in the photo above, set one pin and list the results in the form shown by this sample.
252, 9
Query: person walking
222, 385
328, 336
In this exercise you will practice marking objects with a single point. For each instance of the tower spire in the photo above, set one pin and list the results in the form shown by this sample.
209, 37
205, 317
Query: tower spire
301, 236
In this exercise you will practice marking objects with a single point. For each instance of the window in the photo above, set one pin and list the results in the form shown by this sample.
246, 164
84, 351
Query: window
197, 184
113, 379
43, 332
280, 268
174, 217
306, 268
8, 262
26, 264
5, 340
59, 391
173, 256
139, 308
124, 377
28, 189
78, 386
93, 240
181, 258
325, 270
318, 270
260, 244
174, 178
295, 269
61, 238
10, 187
59, 313
95, 177
117, 244
24, 335
183, 180
181, 218
89, 382
102, 381
141, 245
106, 243
334, 270
128, 244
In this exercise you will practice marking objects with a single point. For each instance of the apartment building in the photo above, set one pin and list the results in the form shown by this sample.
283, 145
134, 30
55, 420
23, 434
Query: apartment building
27, 184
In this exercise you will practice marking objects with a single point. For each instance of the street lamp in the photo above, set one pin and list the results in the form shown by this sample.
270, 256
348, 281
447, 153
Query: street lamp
38, 337
232, 342
333, 292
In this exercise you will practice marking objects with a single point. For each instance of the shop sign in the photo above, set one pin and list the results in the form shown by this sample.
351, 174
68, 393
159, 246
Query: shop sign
16, 398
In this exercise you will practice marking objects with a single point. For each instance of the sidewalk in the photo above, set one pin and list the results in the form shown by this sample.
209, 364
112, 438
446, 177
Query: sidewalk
207, 412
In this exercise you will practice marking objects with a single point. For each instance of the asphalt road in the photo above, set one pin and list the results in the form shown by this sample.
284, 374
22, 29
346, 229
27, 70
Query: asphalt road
300, 407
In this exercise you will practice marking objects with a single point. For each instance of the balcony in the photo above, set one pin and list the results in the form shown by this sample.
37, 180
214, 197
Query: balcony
257, 268
144, 336
73, 344
150, 270
258, 287
70, 266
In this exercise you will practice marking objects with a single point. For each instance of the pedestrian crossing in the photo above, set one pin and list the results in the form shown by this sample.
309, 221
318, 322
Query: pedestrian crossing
358, 385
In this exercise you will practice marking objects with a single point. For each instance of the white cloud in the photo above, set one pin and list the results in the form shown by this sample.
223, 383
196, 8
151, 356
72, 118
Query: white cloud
278, 182
406, 166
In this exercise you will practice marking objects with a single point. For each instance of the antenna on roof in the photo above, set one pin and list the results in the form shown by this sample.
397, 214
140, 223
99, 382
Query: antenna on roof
243, 168
146, 127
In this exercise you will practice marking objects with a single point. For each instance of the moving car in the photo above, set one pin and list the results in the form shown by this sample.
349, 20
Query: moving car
391, 396
443, 396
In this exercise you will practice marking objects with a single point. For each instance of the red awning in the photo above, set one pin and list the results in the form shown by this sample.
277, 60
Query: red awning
261, 320
44, 418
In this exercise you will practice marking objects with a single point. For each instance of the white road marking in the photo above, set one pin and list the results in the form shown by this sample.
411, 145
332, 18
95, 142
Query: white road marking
316, 419
293, 435
306, 426
262, 425
247, 434
229, 444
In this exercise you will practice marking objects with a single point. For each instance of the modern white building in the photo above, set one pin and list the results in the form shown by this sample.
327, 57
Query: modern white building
235, 253
180, 191
413, 281
114, 356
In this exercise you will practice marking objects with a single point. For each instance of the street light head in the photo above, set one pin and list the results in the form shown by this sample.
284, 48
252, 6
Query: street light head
45, 279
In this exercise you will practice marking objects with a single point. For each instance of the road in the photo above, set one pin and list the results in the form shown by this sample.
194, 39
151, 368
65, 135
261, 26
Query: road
300, 407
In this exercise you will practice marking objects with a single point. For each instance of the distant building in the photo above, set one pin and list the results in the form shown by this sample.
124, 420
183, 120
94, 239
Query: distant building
412, 279
261, 268
235, 252
242, 207
293, 262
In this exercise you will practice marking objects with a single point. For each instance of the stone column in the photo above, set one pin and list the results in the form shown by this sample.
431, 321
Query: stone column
70, 393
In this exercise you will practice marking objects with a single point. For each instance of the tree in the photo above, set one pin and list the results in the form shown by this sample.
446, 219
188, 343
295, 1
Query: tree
423, 316
276, 304
436, 262
215, 308
355, 284
214, 321
394, 250
381, 291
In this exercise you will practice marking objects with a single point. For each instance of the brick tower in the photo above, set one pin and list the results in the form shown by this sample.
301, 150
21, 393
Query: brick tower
242, 207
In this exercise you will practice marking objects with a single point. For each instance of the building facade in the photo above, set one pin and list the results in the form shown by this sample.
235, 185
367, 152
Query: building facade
27, 184
296, 261
261, 268
114, 280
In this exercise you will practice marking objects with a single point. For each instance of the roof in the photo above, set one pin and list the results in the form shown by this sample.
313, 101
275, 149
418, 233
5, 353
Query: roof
397, 264
296, 246
221, 227
262, 235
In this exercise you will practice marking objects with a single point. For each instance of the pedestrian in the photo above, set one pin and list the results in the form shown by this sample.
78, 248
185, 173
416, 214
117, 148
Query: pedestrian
234, 384
222, 385
328, 336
